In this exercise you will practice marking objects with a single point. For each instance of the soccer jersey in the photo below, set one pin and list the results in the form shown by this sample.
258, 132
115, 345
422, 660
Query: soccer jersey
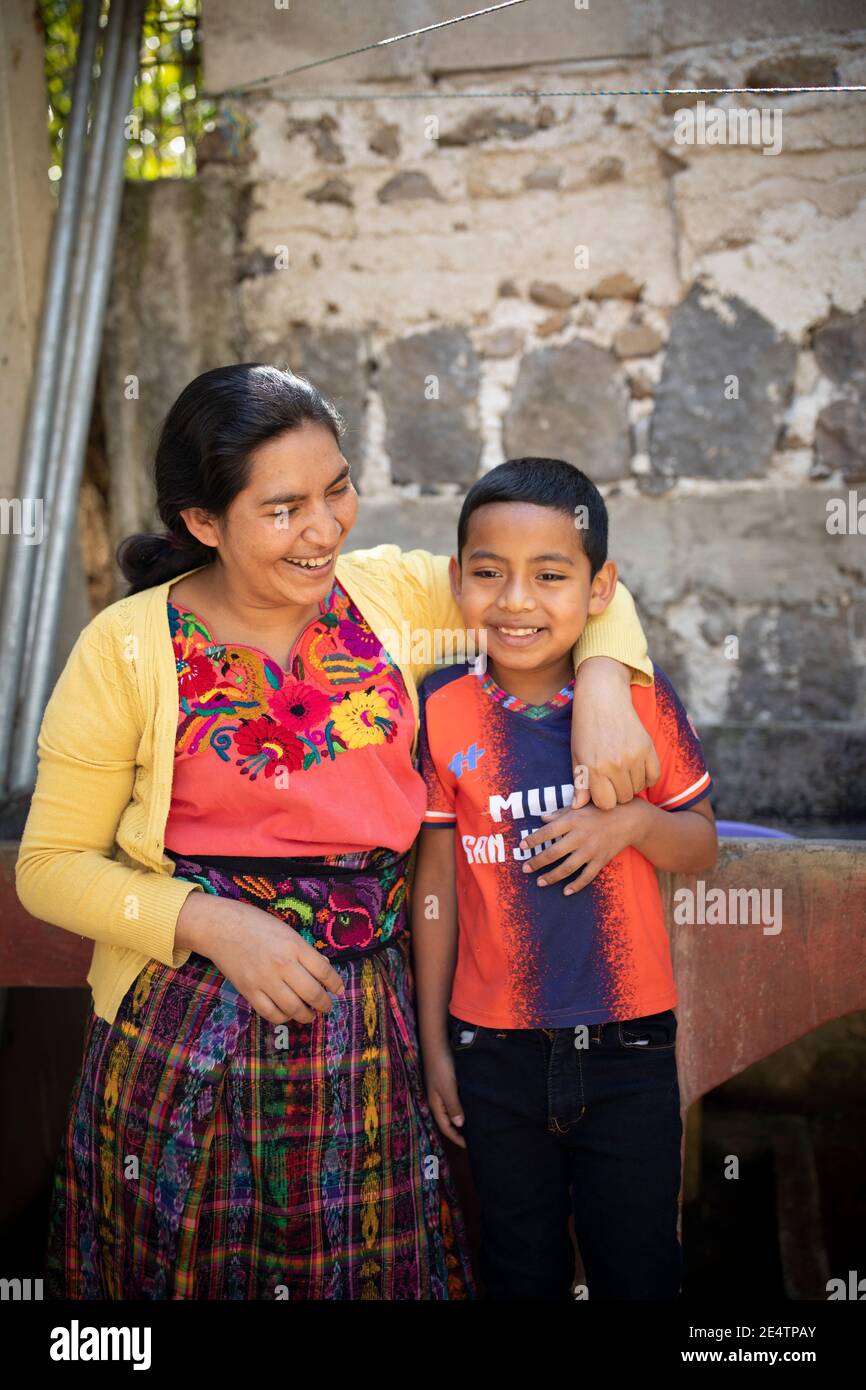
530, 957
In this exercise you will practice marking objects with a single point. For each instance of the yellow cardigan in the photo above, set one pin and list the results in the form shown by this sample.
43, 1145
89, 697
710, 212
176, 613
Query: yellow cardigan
91, 858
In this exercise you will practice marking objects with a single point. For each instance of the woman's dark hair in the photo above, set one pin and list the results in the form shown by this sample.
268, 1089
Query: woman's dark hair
546, 483
204, 454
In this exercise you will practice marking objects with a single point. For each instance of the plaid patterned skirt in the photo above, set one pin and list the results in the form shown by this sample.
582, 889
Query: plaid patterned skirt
211, 1154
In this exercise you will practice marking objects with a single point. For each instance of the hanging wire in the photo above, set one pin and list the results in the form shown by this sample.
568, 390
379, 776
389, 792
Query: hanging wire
366, 48
587, 92
257, 82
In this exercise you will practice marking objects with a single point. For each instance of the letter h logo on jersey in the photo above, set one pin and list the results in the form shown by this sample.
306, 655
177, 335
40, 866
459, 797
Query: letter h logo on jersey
466, 762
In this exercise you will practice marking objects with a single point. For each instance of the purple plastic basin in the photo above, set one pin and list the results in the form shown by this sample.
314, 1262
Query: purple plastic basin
751, 832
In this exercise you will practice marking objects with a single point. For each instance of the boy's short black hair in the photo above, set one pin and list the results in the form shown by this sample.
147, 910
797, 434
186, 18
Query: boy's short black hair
546, 483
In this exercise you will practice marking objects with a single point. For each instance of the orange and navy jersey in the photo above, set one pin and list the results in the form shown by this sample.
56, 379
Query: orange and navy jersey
530, 957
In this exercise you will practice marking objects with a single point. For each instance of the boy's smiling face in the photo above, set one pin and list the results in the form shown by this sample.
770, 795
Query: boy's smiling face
526, 583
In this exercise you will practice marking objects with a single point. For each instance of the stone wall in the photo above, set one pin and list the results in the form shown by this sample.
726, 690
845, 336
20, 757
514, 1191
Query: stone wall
472, 279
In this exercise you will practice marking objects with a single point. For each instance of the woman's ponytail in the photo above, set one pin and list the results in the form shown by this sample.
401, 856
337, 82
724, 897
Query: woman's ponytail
148, 559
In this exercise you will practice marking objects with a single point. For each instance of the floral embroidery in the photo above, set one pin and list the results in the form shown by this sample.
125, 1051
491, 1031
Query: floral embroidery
238, 702
299, 705
266, 745
362, 719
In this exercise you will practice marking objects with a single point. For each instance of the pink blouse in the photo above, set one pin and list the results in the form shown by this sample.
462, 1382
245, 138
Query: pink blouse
310, 761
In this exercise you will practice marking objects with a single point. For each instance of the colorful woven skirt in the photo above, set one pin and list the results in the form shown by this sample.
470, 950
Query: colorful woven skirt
212, 1154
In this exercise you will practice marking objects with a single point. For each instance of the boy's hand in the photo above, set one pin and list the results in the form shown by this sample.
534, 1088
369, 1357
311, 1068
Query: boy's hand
587, 837
442, 1095
609, 745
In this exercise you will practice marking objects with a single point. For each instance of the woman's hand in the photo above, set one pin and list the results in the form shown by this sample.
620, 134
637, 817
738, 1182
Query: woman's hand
611, 752
283, 977
587, 837
442, 1096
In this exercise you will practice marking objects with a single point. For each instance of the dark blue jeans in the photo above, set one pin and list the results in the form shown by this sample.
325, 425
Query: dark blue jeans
553, 1127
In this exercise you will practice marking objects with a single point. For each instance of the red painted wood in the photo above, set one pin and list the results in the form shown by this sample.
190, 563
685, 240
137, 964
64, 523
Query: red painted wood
32, 952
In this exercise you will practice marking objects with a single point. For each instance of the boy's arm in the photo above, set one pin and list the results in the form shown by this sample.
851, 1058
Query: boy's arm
434, 946
672, 825
434, 932
679, 841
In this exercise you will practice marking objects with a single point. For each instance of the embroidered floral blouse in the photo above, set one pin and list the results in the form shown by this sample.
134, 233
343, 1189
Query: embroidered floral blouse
310, 761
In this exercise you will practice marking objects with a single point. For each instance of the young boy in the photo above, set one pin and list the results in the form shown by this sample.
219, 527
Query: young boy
551, 1046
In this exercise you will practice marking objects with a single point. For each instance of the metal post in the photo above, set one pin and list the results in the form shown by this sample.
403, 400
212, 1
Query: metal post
21, 565
80, 278
82, 385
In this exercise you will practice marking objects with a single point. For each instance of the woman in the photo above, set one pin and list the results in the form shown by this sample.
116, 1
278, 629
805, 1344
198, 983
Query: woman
226, 804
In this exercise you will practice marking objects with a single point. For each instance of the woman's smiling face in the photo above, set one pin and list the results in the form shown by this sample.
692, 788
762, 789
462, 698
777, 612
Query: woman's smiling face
299, 504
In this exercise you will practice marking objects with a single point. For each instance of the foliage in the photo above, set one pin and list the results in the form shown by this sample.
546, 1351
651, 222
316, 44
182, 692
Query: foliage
168, 113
